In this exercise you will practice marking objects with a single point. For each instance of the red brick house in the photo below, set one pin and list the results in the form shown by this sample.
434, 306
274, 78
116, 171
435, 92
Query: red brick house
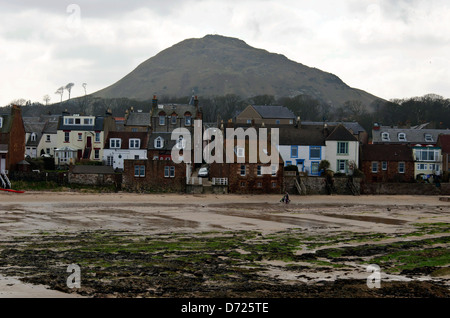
387, 163
12, 139
154, 176
248, 176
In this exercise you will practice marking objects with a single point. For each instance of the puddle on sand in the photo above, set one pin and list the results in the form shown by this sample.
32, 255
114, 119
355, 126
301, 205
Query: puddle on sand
365, 218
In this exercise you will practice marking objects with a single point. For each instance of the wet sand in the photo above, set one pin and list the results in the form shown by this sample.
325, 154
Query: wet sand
32, 213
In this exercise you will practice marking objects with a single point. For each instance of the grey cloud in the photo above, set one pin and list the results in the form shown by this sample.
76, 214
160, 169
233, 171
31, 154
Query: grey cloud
94, 9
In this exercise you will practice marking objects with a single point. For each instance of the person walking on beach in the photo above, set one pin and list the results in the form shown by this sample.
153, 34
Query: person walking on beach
285, 198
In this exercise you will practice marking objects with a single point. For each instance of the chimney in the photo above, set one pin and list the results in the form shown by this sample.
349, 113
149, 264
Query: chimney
325, 130
154, 103
298, 123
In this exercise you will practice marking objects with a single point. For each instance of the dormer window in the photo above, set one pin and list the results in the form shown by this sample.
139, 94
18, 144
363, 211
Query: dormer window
385, 136
159, 143
134, 143
187, 119
33, 137
429, 138
173, 119
162, 118
401, 137
114, 143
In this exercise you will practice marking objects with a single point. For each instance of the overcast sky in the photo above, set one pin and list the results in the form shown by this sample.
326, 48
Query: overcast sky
390, 48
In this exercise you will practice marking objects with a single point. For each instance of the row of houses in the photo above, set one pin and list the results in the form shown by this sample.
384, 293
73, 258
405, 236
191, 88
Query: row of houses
140, 146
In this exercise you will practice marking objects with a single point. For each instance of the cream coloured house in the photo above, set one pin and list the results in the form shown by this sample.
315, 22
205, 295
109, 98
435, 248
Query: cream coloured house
81, 138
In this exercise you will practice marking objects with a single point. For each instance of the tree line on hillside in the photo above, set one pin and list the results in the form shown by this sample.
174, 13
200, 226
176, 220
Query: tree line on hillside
431, 108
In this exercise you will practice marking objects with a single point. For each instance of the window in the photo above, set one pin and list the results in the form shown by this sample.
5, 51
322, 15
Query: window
134, 129
288, 163
428, 138
33, 137
97, 136
68, 121
169, 172
77, 121
385, 136
274, 184
139, 171
174, 119
80, 136
47, 151
314, 152
115, 143
136, 157
342, 148
384, 165
259, 184
162, 119
240, 152
159, 143
66, 136
434, 167
401, 137
427, 154
48, 138
87, 121
134, 143
315, 168
96, 154
187, 120
374, 167
242, 170
422, 166
342, 166
274, 170
243, 184
1, 122
258, 171
249, 121
109, 160
294, 151
277, 121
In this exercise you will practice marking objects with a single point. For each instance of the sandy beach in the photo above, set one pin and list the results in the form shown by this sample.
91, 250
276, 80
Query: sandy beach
39, 213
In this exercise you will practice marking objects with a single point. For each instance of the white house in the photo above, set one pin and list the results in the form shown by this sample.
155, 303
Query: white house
303, 147
342, 150
124, 145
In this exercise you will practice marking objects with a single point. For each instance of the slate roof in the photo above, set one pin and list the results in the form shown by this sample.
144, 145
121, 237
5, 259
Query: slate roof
340, 133
413, 136
168, 143
355, 127
51, 127
386, 152
126, 136
280, 112
304, 136
138, 119
97, 126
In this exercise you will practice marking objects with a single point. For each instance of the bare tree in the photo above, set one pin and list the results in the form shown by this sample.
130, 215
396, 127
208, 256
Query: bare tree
60, 91
69, 87
19, 102
46, 99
